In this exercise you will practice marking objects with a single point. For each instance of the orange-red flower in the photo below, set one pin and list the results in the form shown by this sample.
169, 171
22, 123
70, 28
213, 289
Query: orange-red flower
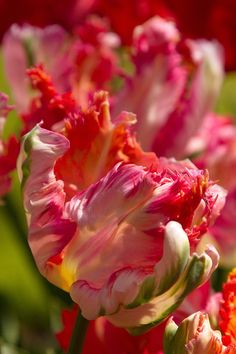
227, 321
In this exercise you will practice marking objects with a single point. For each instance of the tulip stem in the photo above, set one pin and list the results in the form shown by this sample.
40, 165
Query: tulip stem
78, 335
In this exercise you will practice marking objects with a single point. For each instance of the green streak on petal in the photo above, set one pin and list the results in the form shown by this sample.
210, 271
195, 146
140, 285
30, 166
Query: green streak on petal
28, 144
179, 338
190, 279
145, 293
195, 274
137, 331
169, 336
174, 272
167, 271
28, 47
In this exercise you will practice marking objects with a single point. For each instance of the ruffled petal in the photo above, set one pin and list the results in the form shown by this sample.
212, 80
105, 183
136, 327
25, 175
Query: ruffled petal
137, 301
110, 245
176, 83
194, 336
44, 198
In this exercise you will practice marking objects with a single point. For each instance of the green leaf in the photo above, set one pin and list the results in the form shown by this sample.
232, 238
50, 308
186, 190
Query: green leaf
13, 123
227, 101
20, 282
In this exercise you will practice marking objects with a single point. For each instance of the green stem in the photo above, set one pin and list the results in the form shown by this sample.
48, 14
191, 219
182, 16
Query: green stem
78, 335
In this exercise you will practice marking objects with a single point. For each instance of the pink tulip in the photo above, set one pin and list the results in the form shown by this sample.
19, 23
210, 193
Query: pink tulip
81, 63
214, 148
194, 336
175, 85
114, 246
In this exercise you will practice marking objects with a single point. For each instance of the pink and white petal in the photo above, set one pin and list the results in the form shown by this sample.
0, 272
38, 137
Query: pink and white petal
159, 80
136, 206
124, 188
121, 288
193, 336
44, 197
223, 231
130, 282
16, 63
145, 316
103, 229
175, 257
217, 196
138, 300
195, 103
24, 46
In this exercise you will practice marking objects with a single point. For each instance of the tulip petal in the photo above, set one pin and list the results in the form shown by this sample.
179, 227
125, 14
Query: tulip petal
140, 302
112, 245
44, 197
170, 98
194, 336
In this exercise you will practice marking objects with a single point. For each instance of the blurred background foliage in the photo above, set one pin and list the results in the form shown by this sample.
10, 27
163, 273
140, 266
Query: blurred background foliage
226, 103
29, 306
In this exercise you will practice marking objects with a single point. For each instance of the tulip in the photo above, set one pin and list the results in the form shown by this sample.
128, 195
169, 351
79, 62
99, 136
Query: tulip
195, 19
97, 142
24, 46
170, 83
102, 337
214, 148
174, 86
81, 63
194, 335
125, 246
